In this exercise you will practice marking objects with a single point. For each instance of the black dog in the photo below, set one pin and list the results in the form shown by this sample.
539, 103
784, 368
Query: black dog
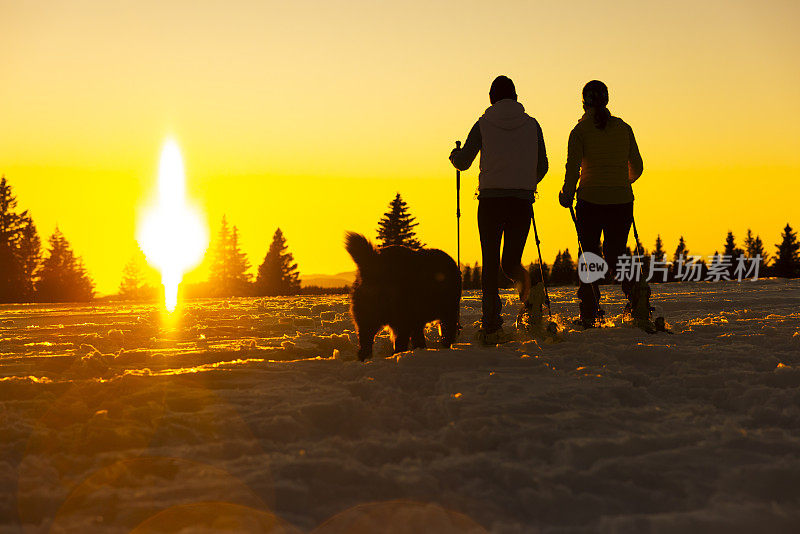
404, 289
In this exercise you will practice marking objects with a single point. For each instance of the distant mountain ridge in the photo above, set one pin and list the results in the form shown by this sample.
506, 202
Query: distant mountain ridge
329, 280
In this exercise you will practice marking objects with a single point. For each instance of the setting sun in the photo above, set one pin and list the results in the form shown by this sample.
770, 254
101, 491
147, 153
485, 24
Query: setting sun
172, 233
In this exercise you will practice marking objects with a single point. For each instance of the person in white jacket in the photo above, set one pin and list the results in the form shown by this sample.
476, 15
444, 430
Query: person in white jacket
513, 161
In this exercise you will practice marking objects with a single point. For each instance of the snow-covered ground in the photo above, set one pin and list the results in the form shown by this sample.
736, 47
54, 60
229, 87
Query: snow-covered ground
252, 415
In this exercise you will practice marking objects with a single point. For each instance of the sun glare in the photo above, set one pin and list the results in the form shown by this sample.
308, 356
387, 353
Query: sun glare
172, 234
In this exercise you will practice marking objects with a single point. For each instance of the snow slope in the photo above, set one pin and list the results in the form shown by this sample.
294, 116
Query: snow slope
251, 415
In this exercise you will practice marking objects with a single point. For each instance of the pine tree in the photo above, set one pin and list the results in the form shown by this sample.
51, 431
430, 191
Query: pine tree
563, 270
570, 270
397, 226
476, 276
132, 281
29, 256
11, 225
681, 252
546, 270
658, 252
63, 277
137, 278
733, 252
754, 248
536, 273
466, 277
278, 275
219, 274
787, 260
238, 266
556, 271
228, 274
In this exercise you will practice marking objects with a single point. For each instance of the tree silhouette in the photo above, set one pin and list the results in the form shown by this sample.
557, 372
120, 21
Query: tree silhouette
536, 275
754, 247
29, 254
659, 252
63, 278
278, 275
11, 225
238, 266
397, 226
228, 274
658, 255
681, 251
476, 276
466, 277
787, 260
733, 252
218, 275
563, 270
135, 281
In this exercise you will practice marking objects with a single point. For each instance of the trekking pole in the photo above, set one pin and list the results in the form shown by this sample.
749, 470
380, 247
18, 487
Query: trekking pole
541, 264
580, 254
575, 222
458, 211
552, 327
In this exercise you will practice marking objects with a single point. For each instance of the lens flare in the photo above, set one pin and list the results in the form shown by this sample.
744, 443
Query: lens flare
172, 234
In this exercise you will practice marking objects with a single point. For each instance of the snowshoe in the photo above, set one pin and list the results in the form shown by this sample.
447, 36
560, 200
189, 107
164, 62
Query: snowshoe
589, 324
640, 310
530, 317
530, 314
490, 339
645, 324
661, 325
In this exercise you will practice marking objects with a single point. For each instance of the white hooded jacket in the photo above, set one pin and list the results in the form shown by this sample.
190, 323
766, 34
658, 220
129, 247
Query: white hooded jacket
513, 156
509, 141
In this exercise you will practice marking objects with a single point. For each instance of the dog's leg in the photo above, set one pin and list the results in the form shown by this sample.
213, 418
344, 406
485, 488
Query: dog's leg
418, 337
366, 337
400, 336
448, 330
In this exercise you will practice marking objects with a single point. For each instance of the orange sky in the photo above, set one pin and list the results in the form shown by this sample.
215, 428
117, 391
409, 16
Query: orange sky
311, 115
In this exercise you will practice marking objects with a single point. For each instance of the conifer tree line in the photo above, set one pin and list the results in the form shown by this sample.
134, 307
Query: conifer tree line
228, 270
31, 272
27, 274
563, 271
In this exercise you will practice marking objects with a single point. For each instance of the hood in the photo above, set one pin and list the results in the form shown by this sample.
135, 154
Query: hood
506, 114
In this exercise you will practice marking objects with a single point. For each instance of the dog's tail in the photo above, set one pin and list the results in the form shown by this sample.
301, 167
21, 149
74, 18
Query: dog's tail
361, 250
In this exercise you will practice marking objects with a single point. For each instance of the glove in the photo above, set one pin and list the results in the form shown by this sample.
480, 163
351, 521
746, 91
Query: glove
454, 152
564, 199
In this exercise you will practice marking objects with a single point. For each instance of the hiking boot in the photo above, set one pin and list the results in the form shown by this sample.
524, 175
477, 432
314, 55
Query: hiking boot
588, 314
639, 305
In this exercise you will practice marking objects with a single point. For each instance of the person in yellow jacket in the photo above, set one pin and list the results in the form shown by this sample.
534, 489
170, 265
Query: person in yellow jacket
603, 161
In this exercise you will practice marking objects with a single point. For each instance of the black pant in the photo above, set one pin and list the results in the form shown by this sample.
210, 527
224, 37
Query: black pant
508, 219
614, 222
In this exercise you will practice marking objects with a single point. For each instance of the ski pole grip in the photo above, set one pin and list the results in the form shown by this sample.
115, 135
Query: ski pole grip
458, 145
